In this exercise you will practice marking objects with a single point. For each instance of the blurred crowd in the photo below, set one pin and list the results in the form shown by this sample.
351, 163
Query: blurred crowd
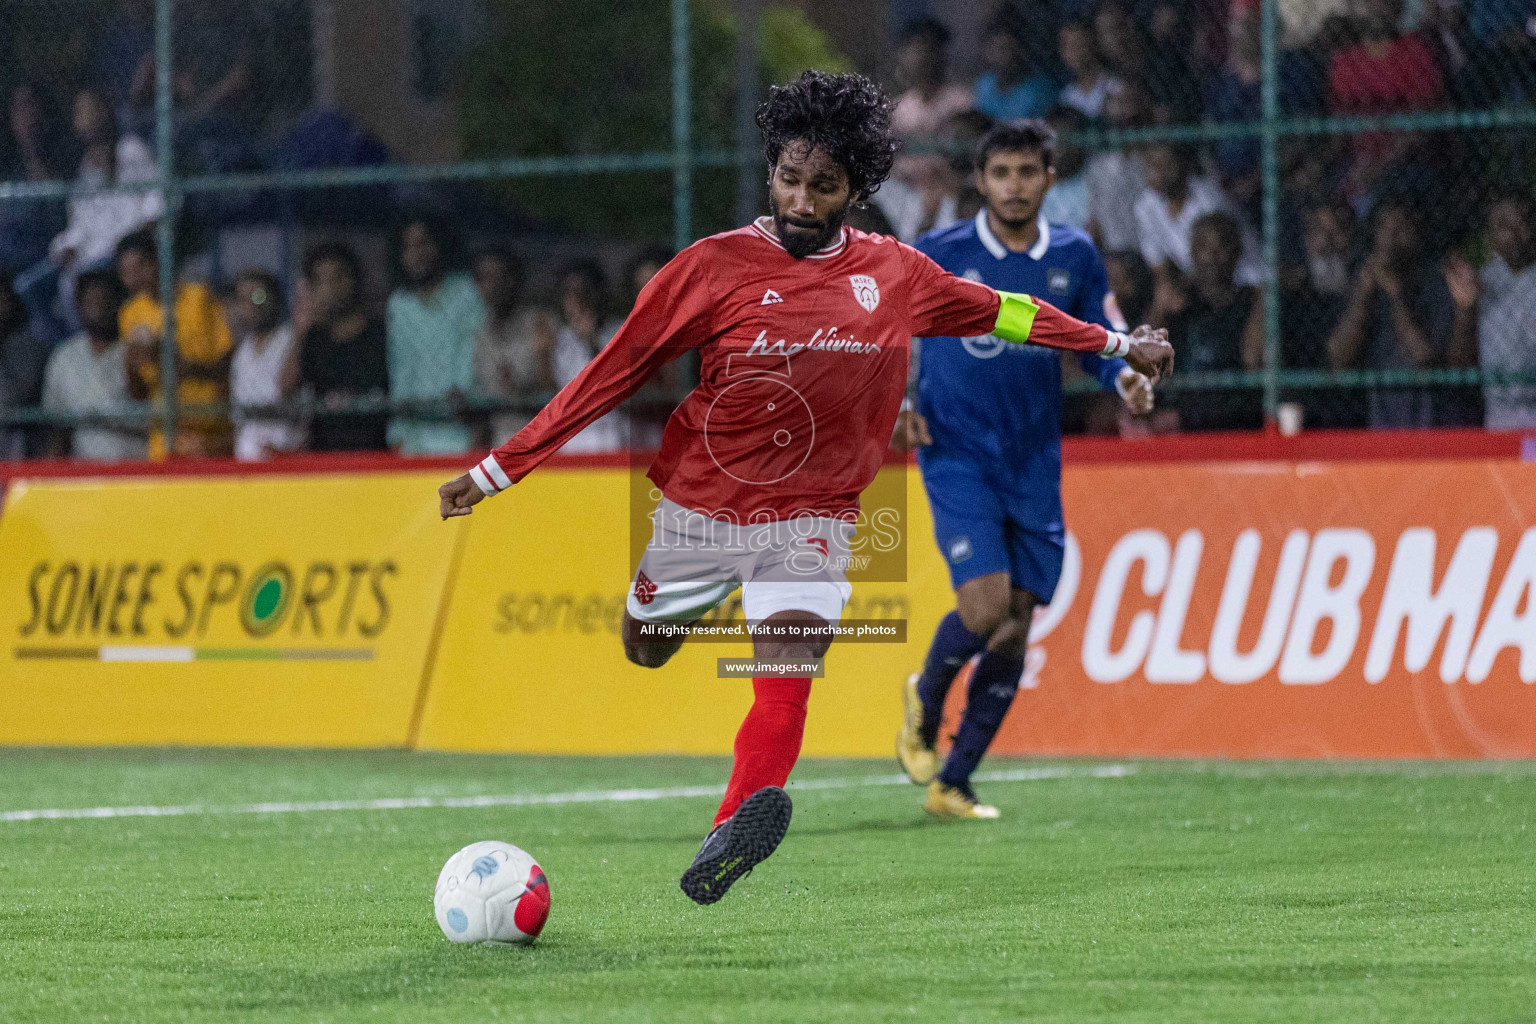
1398, 250
433, 369
1403, 250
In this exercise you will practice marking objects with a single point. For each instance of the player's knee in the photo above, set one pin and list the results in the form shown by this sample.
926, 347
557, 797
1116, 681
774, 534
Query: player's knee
770, 650
983, 613
648, 655
983, 603
792, 636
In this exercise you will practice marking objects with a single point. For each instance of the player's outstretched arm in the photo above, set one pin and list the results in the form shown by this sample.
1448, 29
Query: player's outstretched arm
672, 314
943, 304
1022, 318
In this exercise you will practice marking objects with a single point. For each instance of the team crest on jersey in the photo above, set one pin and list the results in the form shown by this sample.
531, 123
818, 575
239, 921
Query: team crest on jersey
1059, 282
645, 590
866, 291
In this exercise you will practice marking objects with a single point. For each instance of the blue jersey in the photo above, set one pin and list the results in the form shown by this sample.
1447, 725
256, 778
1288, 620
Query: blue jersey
995, 404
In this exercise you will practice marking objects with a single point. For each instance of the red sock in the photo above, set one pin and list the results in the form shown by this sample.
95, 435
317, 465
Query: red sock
768, 743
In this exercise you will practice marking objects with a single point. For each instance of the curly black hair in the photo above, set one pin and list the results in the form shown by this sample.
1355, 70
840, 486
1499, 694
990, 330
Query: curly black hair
846, 116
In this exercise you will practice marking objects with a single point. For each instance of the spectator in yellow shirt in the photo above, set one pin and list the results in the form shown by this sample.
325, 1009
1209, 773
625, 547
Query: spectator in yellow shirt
203, 346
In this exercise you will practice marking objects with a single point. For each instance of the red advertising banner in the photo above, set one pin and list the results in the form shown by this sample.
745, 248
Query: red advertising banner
1274, 609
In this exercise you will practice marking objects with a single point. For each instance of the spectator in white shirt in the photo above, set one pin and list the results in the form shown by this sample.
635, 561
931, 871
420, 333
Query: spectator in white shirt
1092, 85
1067, 200
1115, 177
919, 195
1174, 199
514, 352
1506, 315
913, 212
922, 62
98, 218
88, 375
256, 372
652, 405
584, 330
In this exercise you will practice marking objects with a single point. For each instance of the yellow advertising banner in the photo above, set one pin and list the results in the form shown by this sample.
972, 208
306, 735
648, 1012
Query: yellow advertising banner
1214, 609
274, 611
531, 659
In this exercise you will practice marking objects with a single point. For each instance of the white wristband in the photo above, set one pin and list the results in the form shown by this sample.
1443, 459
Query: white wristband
1117, 345
490, 477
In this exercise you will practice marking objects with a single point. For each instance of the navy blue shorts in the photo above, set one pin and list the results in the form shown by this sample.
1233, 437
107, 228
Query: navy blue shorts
982, 530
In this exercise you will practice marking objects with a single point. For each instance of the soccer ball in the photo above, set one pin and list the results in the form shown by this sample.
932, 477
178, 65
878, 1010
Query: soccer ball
491, 892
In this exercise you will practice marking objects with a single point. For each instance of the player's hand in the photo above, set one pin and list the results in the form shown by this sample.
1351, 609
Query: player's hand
1375, 274
544, 333
1462, 282
1136, 391
303, 313
1150, 354
140, 348
911, 431
1169, 297
458, 496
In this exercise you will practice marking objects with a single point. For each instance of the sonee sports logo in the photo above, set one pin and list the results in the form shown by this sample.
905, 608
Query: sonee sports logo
104, 601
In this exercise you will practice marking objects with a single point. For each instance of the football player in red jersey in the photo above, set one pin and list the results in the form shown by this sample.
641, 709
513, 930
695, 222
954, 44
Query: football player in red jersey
803, 327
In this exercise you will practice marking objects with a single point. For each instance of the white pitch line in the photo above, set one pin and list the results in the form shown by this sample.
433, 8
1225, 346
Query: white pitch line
585, 796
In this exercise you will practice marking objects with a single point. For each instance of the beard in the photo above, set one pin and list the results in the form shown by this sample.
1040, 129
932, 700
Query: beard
1013, 223
800, 238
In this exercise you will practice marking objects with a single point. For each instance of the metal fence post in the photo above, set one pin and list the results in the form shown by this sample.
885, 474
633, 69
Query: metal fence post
748, 173
165, 232
682, 130
1270, 164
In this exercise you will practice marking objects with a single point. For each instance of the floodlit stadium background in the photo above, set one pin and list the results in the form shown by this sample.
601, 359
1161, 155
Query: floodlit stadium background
590, 134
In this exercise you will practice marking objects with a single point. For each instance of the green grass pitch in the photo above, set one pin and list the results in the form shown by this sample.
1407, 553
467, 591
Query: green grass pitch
1182, 891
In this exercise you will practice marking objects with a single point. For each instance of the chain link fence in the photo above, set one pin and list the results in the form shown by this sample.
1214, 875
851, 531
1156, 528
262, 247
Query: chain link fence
406, 223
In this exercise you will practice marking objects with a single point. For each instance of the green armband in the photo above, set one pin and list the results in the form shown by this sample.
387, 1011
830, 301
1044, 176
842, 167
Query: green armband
1015, 317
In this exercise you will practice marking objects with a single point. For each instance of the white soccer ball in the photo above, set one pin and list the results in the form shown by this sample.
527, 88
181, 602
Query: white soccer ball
491, 892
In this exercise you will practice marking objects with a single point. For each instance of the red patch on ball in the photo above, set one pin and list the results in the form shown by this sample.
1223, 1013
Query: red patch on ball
533, 909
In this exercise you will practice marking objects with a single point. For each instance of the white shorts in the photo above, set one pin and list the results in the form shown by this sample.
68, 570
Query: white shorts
693, 563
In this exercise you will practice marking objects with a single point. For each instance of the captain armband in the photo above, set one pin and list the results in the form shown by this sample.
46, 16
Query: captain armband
1015, 316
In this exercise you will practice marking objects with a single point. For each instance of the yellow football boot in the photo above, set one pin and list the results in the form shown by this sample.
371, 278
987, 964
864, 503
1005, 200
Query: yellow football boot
951, 802
920, 762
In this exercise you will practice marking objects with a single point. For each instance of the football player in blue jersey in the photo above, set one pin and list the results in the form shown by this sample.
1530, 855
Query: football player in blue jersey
986, 419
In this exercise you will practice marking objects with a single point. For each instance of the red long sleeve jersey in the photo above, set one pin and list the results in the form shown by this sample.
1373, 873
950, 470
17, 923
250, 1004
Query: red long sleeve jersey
804, 364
